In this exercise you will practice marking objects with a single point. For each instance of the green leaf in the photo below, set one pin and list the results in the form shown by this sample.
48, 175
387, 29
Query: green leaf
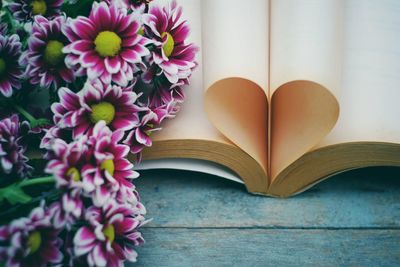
79, 8
8, 18
8, 212
14, 195
40, 123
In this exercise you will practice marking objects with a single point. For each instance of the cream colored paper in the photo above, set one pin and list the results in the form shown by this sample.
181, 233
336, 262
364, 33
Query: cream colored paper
306, 42
235, 41
235, 53
306, 38
238, 109
192, 121
193, 165
370, 101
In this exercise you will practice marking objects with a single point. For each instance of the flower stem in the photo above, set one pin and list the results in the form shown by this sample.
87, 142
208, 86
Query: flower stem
36, 181
32, 120
25, 113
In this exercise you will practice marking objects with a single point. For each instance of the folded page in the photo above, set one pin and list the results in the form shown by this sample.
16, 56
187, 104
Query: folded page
305, 74
235, 53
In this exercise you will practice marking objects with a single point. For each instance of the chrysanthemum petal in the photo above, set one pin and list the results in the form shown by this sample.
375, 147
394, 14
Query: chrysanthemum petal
113, 64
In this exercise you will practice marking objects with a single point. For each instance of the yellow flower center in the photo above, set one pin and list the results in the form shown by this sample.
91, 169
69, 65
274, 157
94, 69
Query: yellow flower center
102, 111
149, 133
53, 54
34, 241
39, 7
109, 232
2, 67
169, 44
107, 44
141, 31
74, 174
108, 165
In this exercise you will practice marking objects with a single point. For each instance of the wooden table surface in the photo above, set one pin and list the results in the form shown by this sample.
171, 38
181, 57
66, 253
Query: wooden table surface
352, 219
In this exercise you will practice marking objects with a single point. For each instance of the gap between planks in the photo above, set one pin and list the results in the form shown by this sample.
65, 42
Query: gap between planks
272, 228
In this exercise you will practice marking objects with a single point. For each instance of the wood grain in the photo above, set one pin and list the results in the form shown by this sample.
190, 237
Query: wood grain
364, 198
200, 220
268, 247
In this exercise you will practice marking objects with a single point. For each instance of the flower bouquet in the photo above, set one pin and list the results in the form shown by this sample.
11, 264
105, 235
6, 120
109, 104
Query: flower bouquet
83, 84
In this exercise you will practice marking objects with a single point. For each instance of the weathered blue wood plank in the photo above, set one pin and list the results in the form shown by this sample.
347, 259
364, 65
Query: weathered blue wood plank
266, 247
364, 198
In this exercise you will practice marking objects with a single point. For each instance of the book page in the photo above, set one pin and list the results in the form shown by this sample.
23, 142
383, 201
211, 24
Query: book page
235, 60
193, 165
306, 38
370, 100
191, 122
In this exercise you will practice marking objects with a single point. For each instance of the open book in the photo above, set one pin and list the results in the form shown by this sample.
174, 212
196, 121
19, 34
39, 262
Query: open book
288, 92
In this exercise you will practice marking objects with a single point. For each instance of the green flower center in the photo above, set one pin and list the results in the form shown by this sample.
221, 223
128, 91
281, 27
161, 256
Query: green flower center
169, 44
108, 165
74, 174
34, 241
109, 232
107, 44
53, 54
2, 67
102, 111
39, 7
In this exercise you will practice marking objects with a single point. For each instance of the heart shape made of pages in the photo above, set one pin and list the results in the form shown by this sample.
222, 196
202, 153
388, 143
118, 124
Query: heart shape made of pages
302, 114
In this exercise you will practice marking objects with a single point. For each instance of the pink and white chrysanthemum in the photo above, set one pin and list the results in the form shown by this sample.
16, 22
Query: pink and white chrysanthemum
159, 94
173, 56
135, 5
67, 210
31, 241
67, 165
112, 174
110, 236
51, 134
44, 57
97, 101
3, 28
10, 70
68, 162
106, 44
139, 137
12, 153
26, 10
